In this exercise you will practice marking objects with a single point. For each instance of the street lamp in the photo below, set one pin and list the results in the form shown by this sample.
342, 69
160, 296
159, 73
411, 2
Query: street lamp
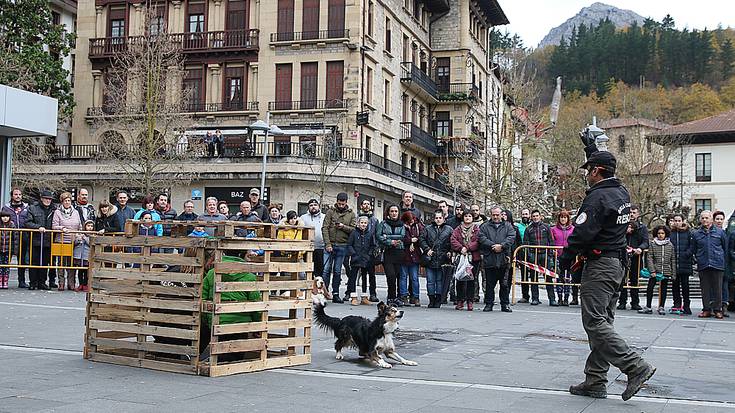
267, 129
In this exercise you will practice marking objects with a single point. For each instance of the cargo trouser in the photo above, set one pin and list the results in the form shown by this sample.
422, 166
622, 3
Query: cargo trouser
599, 292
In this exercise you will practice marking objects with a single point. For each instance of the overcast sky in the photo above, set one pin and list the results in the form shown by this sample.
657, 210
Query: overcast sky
532, 19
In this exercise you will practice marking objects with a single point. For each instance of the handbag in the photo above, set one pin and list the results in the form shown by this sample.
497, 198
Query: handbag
463, 269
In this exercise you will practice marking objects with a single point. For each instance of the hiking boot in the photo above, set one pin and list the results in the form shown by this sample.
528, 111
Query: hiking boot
365, 300
583, 389
636, 382
505, 308
488, 308
438, 303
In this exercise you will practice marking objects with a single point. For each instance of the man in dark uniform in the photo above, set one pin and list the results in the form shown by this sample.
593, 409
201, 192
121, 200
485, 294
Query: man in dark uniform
599, 236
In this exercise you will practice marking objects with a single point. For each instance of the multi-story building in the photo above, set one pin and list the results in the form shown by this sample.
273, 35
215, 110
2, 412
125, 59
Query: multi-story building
64, 12
418, 69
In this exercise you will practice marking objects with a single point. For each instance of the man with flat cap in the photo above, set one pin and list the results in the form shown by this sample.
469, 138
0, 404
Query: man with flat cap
599, 237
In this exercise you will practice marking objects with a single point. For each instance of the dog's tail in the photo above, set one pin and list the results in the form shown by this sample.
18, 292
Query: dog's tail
323, 320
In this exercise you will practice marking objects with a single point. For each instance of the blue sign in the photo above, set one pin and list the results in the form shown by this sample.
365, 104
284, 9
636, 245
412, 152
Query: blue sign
196, 194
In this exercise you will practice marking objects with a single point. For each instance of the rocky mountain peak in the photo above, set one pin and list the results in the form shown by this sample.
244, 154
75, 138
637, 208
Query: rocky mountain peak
591, 15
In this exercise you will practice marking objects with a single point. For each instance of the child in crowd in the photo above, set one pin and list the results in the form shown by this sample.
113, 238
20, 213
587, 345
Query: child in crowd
360, 248
81, 256
199, 232
661, 263
8, 247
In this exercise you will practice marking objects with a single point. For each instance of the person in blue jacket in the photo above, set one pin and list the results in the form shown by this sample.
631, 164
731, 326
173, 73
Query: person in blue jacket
709, 246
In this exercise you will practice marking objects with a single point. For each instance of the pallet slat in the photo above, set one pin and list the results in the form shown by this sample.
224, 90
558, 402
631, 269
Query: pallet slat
143, 241
139, 275
244, 307
183, 305
261, 285
153, 259
147, 346
143, 329
257, 267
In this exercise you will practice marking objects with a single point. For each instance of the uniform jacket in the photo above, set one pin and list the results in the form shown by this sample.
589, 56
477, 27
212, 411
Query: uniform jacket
661, 258
492, 233
681, 239
709, 248
109, 222
473, 246
602, 220
437, 239
41, 216
338, 236
316, 221
360, 248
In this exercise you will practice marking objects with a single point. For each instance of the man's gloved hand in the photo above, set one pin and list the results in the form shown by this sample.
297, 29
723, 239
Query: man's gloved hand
566, 260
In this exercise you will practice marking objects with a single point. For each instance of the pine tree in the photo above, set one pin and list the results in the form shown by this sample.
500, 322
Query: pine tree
727, 59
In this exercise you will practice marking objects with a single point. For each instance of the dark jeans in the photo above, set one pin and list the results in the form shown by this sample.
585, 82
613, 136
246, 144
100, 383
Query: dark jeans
493, 276
333, 266
318, 262
210, 149
662, 291
633, 273
37, 276
711, 282
447, 280
392, 267
369, 280
601, 281
352, 279
680, 289
576, 279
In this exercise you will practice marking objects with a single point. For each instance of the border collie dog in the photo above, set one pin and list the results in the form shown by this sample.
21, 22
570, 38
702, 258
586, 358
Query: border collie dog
372, 339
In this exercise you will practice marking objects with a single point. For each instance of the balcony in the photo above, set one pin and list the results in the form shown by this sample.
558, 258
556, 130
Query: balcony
191, 108
241, 150
318, 36
458, 92
419, 139
191, 43
418, 81
308, 105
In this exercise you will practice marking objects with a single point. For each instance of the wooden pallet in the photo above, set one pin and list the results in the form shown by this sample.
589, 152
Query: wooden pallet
135, 318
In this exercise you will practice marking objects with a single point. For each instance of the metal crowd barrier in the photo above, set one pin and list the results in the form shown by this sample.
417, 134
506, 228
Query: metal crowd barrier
538, 262
18, 242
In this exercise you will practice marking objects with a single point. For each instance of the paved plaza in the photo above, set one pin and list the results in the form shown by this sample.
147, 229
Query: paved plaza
519, 362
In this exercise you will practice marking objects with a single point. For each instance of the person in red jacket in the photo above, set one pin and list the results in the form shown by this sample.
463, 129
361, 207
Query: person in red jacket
464, 241
560, 233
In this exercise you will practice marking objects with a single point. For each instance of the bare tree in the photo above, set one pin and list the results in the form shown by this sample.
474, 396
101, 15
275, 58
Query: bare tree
143, 116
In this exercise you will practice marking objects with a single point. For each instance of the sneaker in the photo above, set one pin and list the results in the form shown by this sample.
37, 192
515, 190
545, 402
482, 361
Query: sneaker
636, 382
675, 310
523, 300
374, 298
535, 302
583, 389
646, 310
661, 311
22, 285
398, 302
635, 307
488, 308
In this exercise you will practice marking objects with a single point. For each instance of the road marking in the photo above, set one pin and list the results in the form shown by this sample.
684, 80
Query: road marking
618, 315
701, 350
55, 307
41, 350
495, 387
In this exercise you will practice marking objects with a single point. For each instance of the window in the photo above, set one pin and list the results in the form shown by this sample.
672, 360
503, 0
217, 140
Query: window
335, 83
117, 28
417, 9
234, 88
368, 142
310, 25
385, 155
285, 20
621, 144
156, 24
703, 165
196, 23
309, 76
238, 16
442, 74
336, 18
404, 108
443, 125
55, 18
406, 49
369, 86
414, 112
282, 145
370, 16
702, 205
388, 35
386, 97
193, 91
283, 86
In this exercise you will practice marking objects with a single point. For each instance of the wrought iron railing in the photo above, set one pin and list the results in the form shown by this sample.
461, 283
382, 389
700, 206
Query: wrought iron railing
412, 73
454, 92
413, 134
308, 104
223, 40
310, 35
187, 107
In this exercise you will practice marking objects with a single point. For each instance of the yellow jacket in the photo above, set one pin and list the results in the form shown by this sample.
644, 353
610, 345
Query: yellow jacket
290, 233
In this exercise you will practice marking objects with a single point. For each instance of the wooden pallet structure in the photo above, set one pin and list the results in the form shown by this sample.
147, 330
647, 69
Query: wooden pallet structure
146, 303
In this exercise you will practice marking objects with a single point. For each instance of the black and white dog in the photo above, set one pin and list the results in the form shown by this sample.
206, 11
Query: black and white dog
372, 339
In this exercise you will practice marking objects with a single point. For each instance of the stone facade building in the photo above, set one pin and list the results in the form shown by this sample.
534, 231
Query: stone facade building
419, 70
